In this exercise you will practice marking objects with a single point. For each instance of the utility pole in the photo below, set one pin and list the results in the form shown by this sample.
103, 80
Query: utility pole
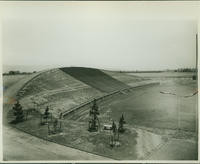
197, 54
197, 122
195, 77
179, 112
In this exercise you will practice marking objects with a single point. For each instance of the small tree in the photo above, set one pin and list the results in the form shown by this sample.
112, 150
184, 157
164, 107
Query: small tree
121, 124
55, 125
114, 135
114, 128
18, 112
94, 121
61, 116
45, 116
46, 113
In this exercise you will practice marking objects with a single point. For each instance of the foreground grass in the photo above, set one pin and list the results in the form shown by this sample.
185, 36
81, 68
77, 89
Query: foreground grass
75, 134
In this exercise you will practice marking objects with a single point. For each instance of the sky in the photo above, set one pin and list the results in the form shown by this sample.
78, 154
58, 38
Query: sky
109, 35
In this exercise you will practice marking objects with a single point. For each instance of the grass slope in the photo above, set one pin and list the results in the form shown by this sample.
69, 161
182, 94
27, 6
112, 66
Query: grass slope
95, 78
55, 89
50, 80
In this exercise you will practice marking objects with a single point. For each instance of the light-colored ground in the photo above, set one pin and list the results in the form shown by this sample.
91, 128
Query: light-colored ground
21, 146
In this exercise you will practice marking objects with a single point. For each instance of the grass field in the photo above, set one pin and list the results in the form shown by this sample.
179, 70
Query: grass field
148, 107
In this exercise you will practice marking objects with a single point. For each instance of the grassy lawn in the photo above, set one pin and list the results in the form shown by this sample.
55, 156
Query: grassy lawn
76, 135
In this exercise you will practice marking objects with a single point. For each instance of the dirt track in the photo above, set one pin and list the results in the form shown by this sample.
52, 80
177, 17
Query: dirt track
21, 146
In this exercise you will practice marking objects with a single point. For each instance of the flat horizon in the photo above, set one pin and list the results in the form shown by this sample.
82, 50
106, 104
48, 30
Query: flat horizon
21, 68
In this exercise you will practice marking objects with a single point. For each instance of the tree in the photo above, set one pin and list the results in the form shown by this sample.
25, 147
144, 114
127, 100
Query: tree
45, 116
114, 127
93, 126
18, 112
46, 113
114, 135
121, 124
55, 124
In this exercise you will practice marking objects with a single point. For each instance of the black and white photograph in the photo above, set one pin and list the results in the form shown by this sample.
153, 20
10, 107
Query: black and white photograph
99, 81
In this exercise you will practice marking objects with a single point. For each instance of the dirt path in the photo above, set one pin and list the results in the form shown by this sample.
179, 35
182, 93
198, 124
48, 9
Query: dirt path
18, 145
